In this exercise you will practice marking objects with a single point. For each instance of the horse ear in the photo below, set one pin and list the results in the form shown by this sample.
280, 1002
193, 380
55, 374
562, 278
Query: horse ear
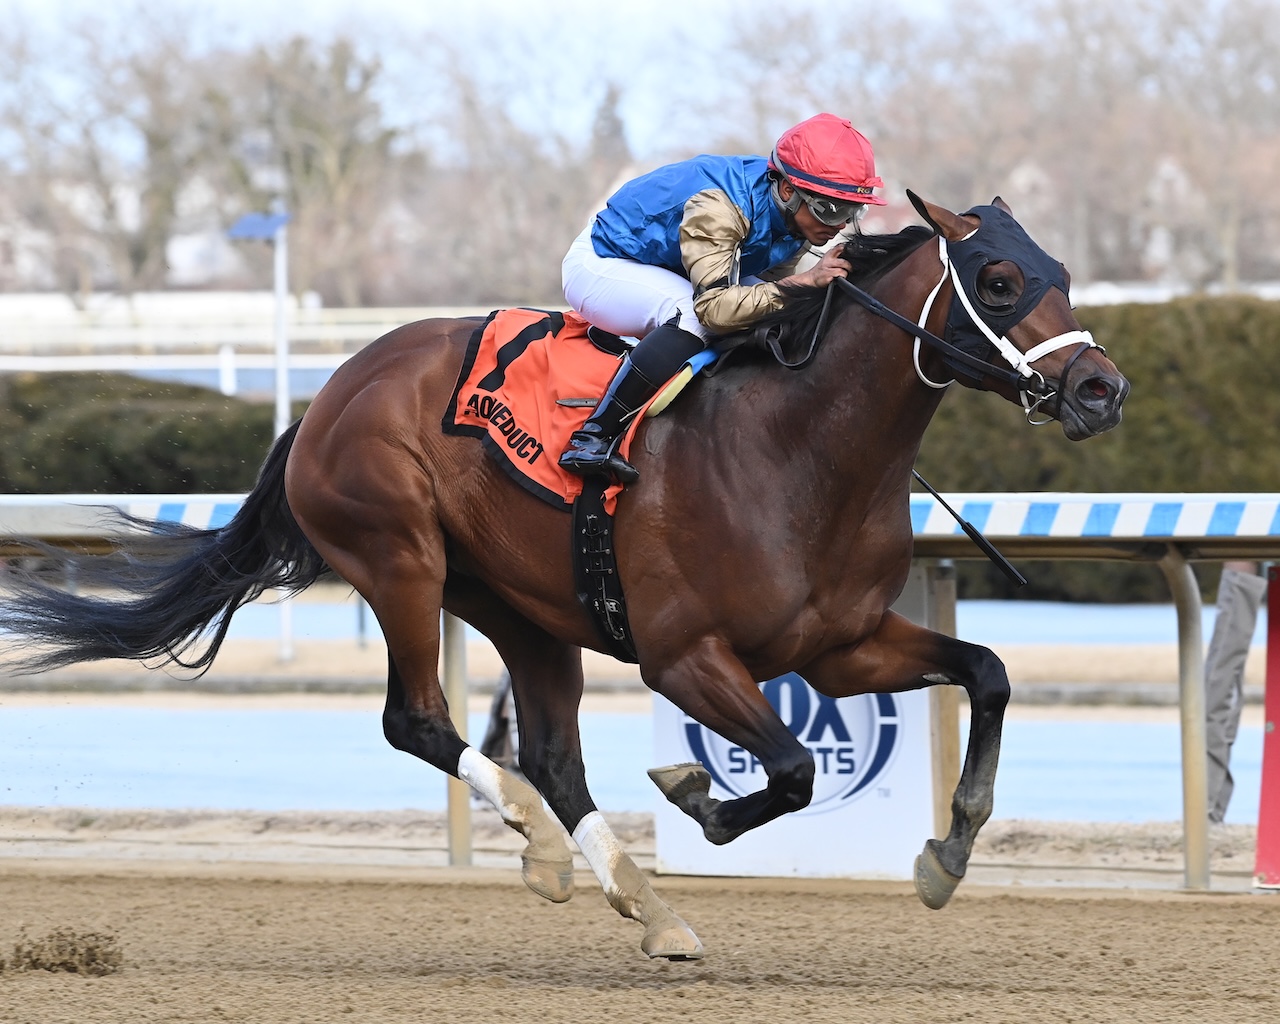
949, 225
1000, 204
922, 208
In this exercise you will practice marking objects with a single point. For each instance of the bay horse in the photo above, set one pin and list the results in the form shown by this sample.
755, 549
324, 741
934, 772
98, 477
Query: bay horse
769, 532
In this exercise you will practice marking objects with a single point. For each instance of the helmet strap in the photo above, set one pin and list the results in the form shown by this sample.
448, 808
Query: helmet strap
789, 206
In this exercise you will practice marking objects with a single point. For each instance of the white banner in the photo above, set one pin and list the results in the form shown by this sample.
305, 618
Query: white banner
872, 804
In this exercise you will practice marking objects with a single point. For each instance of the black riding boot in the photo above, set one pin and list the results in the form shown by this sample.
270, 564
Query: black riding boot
592, 449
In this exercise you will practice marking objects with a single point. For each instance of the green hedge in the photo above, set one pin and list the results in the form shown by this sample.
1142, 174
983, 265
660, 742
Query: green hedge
1205, 375
113, 433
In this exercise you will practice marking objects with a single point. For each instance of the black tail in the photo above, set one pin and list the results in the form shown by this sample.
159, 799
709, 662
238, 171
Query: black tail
183, 598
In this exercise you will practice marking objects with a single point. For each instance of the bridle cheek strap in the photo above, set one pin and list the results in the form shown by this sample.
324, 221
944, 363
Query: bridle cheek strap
924, 315
1031, 398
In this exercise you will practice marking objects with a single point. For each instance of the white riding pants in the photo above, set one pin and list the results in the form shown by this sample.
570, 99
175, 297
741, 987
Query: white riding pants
622, 296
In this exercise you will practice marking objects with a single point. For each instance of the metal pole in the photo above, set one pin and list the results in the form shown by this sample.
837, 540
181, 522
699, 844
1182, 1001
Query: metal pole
281, 285
455, 692
944, 701
1195, 772
282, 329
227, 369
925, 602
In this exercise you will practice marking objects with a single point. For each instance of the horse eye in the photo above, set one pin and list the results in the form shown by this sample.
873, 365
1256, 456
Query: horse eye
996, 292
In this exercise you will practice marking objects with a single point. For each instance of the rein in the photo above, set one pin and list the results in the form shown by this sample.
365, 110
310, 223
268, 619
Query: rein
958, 355
812, 350
874, 305
1030, 383
1033, 389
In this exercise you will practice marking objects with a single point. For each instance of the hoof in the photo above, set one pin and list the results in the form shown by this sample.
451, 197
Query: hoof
552, 880
679, 782
672, 940
934, 883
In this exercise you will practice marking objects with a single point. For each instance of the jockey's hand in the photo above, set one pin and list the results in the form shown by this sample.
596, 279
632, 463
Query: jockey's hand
832, 265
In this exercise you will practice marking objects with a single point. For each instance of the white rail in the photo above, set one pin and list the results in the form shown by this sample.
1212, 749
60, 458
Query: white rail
316, 329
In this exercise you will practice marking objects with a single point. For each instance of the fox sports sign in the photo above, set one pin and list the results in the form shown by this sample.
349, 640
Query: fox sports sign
853, 740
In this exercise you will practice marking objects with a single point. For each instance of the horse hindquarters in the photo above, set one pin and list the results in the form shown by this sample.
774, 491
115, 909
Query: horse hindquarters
900, 656
371, 512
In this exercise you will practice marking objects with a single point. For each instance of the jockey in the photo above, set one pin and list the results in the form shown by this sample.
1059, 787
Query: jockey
704, 247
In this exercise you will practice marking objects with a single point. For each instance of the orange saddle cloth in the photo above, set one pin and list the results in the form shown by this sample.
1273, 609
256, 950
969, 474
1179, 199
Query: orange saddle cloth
520, 366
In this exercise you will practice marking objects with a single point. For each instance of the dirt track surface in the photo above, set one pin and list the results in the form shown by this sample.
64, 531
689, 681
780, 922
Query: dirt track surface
299, 943
304, 917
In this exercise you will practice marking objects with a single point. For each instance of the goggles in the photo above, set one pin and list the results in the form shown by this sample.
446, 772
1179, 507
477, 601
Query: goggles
831, 212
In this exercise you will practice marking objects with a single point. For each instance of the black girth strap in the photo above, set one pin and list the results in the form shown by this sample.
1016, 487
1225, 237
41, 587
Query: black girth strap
595, 570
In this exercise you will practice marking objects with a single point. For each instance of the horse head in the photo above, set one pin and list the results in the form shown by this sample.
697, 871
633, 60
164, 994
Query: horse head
1010, 308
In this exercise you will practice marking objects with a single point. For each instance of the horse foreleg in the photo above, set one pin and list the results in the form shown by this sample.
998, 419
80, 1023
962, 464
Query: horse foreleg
546, 681
629, 893
711, 685
903, 656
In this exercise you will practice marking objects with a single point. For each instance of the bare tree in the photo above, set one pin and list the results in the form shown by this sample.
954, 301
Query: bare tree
301, 122
1217, 70
1136, 140
102, 139
497, 208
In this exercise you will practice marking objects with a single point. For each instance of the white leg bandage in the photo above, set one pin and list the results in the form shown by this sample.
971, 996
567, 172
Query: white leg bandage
601, 848
485, 777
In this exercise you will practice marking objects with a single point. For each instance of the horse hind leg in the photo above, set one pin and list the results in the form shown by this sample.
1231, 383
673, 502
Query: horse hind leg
666, 935
416, 719
368, 505
546, 682
546, 863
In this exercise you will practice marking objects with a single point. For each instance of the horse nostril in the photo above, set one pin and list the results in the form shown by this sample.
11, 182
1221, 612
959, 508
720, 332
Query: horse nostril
1097, 387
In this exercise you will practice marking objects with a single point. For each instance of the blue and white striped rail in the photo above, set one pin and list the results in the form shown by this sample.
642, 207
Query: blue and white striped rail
84, 518
1144, 517
1045, 524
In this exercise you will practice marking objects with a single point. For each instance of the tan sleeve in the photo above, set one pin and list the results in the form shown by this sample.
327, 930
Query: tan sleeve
711, 235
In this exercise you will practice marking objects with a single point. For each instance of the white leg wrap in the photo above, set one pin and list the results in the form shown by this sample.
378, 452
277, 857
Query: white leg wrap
601, 848
485, 777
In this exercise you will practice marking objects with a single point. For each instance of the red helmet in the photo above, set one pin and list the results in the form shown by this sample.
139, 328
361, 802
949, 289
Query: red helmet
828, 156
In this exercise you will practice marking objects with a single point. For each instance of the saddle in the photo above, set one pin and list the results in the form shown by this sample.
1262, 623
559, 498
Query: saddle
523, 388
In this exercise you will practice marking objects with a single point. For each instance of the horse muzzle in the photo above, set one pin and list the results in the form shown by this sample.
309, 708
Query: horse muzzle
1091, 398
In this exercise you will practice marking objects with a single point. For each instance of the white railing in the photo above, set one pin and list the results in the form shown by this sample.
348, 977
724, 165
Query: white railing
310, 330
168, 342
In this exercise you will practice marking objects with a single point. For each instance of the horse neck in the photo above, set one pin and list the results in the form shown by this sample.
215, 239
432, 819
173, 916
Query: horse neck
869, 410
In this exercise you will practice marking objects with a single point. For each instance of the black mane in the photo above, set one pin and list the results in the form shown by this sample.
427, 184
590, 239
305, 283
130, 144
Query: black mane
792, 326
